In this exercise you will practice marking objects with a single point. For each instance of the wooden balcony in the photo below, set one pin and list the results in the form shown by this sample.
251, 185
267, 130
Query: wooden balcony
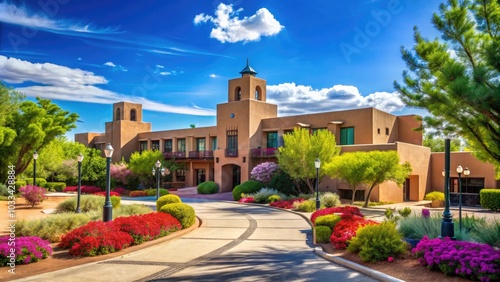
263, 153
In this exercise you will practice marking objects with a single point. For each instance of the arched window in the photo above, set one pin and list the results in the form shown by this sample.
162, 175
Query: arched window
117, 114
237, 94
258, 93
132, 115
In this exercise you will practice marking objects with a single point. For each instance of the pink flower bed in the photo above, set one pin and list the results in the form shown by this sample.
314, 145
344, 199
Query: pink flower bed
341, 210
84, 189
247, 200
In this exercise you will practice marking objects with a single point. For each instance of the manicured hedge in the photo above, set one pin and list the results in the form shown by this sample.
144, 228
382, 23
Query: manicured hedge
167, 199
434, 196
87, 203
323, 234
329, 220
55, 186
183, 212
490, 199
247, 187
208, 187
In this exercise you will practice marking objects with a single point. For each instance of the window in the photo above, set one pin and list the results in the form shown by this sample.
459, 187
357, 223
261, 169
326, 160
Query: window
386, 131
99, 146
214, 143
133, 115
237, 94
257, 93
180, 175
378, 130
469, 184
200, 144
155, 145
181, 145
347, 194
232, 138
117, 114
167, 146
143, 146
272, 139
347, 136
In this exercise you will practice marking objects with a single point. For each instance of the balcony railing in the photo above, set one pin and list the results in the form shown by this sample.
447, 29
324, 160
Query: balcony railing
263, 152
177, 155
231, 153
208, 154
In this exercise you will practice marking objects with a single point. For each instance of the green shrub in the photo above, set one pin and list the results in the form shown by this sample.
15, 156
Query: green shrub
55, 186
377, 242
133, 209
40, 182
4, 191
52, 227
263, 194
490, 199
163, 192
305, 206
323, 234
434, 196
329, 220
151, 192
183, 212
208, 187
273, 198
329, 200
167, 199
405, 212
488, 233
21, 183
247, 187
87, 203
414, 227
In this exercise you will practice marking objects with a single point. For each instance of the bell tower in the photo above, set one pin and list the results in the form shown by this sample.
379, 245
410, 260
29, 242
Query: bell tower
238, 123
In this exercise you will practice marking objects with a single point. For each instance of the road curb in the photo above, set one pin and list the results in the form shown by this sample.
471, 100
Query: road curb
354, 266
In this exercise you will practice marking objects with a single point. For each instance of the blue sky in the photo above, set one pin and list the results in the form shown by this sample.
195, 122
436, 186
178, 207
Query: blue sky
175, 57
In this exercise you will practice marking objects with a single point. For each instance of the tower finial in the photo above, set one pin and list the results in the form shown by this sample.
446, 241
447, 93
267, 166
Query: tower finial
248, 70
248, 63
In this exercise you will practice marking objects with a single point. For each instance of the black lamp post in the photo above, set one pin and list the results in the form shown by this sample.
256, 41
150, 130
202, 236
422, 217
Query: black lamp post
79, 159
317, 165
35, 156
466, 172
447, 222
108, 208
157, 170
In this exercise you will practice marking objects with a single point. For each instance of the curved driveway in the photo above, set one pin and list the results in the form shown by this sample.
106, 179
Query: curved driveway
235, 243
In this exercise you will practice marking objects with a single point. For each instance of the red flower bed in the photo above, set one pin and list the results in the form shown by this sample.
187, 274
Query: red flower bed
341, 210
148, 227
122, 191
84, 189
247, 200
346, 228
138, 193
286, 204
97, 237
103, 193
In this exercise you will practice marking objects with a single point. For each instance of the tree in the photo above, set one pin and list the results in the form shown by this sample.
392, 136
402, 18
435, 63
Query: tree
35, 126
456, 79
94, 168
437, 143
9, 104
301, 149
369, 168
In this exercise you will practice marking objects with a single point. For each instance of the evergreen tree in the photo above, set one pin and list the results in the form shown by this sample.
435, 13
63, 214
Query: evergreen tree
457, 79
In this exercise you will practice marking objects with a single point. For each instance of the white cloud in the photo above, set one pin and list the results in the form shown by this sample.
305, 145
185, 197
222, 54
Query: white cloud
213, 75
229, 28
115, 67
300, 99
10, 13
63, 83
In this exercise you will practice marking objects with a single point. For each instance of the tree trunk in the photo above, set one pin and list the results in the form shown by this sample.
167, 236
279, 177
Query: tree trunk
353, 195
368, 196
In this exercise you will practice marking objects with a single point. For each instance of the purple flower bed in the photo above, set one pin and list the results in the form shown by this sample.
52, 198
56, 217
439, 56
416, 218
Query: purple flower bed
27, 249
470, 260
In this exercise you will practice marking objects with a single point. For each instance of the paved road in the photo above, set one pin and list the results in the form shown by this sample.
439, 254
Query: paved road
235, 243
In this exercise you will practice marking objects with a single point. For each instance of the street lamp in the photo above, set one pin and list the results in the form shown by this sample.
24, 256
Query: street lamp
35, 156
79, 158
157, 170
107, 212
447, 222
317, 164
466, 172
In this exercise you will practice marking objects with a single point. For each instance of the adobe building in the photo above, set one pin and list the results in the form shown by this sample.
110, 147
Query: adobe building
248, 132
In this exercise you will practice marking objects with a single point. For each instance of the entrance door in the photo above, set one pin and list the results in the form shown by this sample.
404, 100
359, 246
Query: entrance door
200, 176
406, 190
236, 175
